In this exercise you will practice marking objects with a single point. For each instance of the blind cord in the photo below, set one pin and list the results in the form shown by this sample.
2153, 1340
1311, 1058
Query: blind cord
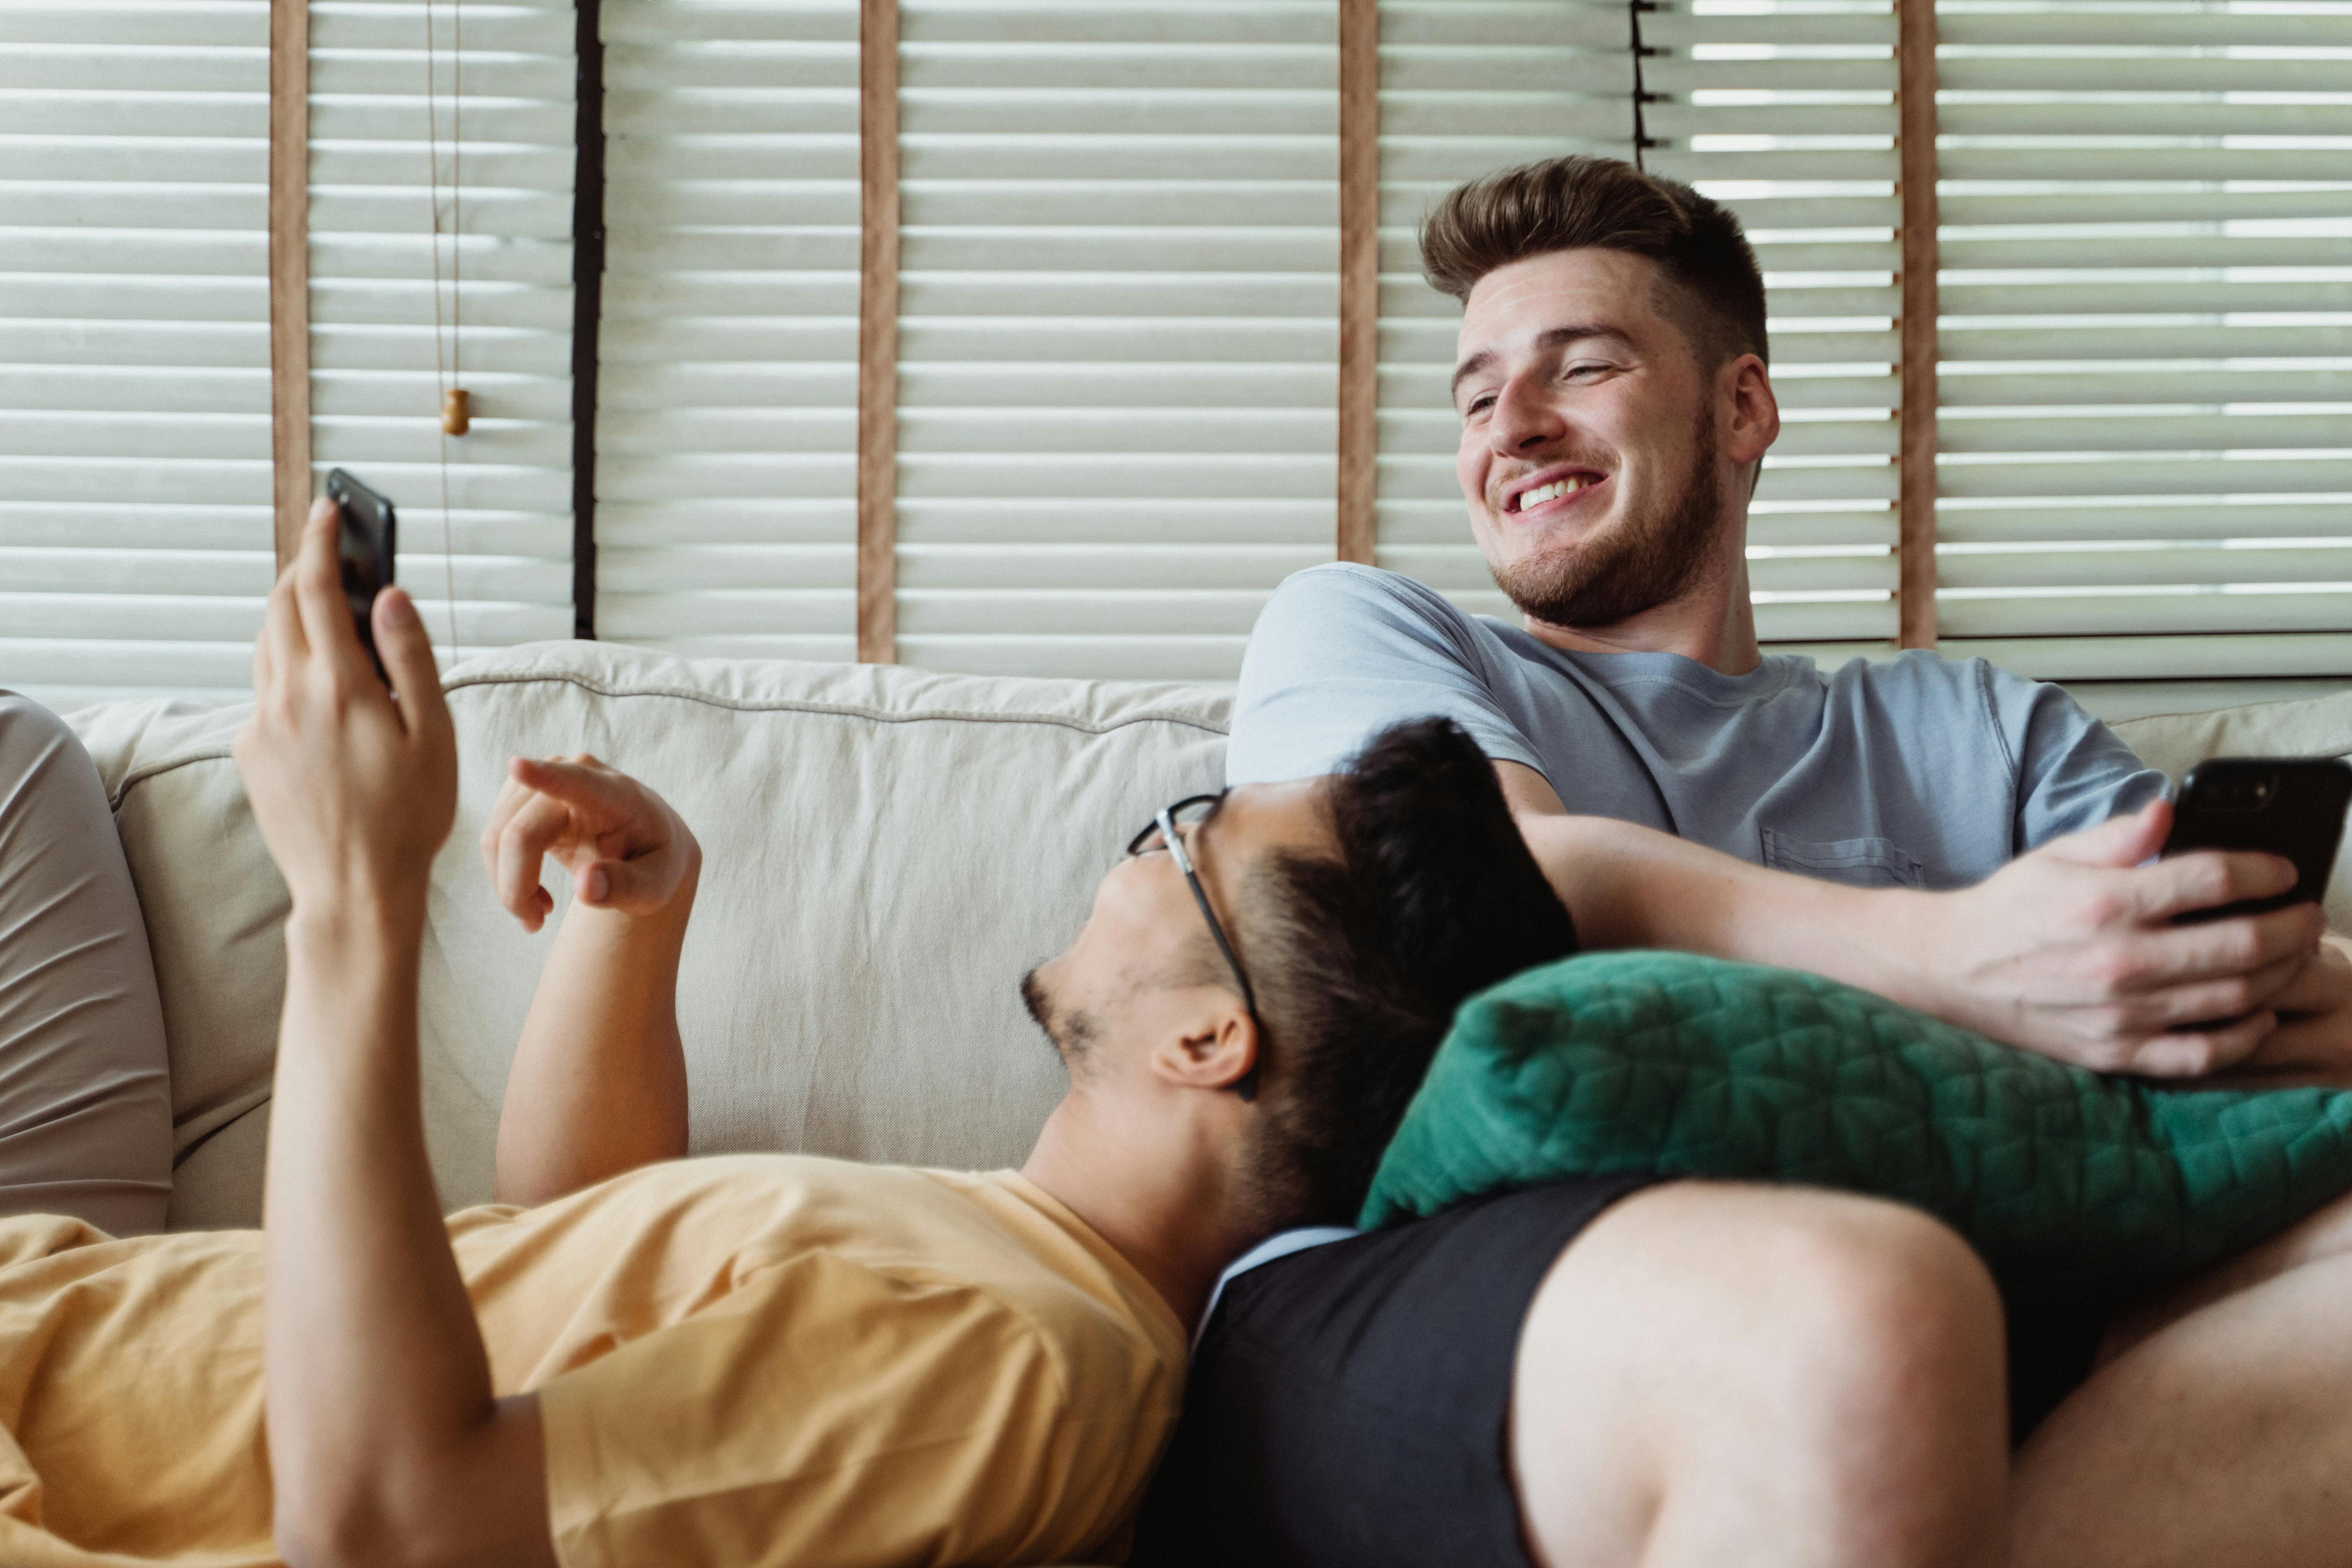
456, 414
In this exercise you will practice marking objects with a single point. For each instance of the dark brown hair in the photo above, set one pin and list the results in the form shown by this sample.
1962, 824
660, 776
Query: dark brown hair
1712, 288
1359, 962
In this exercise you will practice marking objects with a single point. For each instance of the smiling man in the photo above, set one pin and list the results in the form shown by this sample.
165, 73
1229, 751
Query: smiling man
1608, 1372
1616, 407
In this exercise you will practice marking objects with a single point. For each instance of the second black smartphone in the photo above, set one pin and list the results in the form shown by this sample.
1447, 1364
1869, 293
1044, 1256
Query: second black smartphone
2289, 806
368, 536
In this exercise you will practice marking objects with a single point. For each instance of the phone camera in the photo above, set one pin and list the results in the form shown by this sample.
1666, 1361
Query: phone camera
2242, 793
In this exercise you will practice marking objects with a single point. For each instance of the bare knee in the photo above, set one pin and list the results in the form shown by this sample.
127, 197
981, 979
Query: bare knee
1873, 1308
1818, 1370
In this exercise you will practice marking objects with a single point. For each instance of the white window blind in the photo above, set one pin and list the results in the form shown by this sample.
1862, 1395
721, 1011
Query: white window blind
1119, 328
1784, 113
506, 281
134, 346
726, 425
2146, 366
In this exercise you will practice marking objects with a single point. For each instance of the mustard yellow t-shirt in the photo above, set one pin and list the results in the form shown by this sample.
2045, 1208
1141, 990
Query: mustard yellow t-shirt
747, 1360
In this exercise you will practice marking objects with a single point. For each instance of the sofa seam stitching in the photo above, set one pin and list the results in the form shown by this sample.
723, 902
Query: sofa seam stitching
842, 710
169, 764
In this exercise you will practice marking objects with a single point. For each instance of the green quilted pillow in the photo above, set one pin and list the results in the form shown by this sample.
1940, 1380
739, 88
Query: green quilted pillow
2068, 1183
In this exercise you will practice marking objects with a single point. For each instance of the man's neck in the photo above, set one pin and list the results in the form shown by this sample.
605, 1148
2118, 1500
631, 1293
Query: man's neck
1172, 1224
1710, 622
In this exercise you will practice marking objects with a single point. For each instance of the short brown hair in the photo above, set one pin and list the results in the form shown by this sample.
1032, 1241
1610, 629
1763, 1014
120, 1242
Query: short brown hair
1716, 291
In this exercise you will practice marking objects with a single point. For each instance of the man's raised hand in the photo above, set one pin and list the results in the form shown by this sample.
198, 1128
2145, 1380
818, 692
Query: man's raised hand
354, 787
627, 851
2072, 950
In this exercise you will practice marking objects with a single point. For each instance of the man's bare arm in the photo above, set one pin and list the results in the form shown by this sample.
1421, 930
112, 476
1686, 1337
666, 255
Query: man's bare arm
2069, 950
387, 1443
598, 1084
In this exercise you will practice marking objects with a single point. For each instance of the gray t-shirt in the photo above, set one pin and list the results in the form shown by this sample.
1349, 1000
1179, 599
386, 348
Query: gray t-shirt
1917, 771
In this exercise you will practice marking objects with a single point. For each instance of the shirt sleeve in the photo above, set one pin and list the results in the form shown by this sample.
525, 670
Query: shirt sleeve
2073, 771
1341, 653
830, 1414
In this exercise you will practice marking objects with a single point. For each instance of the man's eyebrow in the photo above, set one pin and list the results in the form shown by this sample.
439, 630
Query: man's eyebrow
1470, 367
1549, 338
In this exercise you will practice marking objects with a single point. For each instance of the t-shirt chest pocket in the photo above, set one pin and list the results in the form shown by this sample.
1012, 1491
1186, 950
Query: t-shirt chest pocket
1857, 862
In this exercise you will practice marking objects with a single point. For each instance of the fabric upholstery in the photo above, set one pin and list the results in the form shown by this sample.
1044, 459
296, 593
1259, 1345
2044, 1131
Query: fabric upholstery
886, 851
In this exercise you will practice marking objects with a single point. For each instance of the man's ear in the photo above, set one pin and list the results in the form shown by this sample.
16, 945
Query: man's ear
1755, 412
1213, 1050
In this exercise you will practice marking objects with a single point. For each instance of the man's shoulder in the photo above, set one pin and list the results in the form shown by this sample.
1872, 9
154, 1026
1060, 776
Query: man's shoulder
1346, 617
1355, 590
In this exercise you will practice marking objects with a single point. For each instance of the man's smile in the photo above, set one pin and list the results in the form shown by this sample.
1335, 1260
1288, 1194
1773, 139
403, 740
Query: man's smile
1549, 492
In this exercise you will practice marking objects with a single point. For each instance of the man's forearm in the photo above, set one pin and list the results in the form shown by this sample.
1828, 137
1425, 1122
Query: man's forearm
2072, 949
1629, 886
378, 1396
598, 1084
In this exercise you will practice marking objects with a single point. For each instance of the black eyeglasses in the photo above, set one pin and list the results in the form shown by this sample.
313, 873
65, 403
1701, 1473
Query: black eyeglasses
1161, 833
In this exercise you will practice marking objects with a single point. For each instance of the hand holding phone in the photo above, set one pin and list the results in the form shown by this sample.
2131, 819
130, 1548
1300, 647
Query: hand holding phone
367, 537
2289, 806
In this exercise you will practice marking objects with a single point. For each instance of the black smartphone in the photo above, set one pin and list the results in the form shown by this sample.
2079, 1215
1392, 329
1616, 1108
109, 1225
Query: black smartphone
2289, 806
368, 536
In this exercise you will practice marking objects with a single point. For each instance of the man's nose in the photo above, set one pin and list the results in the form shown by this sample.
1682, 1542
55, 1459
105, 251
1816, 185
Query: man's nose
1523, 417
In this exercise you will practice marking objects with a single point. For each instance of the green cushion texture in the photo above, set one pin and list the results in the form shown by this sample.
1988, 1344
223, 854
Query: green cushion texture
2067, 1182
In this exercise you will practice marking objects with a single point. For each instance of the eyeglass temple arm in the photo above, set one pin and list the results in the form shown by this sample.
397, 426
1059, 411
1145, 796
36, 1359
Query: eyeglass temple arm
1246, 1085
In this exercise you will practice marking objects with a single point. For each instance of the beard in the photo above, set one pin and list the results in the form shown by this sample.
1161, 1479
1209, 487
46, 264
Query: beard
1645, 561
1072, 1030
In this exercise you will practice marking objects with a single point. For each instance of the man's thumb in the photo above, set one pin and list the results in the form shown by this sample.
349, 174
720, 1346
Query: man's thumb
407, 654
625, 884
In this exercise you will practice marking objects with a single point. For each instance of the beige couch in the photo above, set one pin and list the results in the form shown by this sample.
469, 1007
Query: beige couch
886, 852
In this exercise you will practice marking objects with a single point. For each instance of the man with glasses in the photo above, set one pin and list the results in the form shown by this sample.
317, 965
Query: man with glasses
739, 1359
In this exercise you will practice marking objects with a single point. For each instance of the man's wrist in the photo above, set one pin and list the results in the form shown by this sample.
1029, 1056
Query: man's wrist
1897, 952
381, 923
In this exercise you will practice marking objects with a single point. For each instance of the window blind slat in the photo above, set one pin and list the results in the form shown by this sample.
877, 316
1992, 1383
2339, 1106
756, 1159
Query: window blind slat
2096, 163
2138, 519
2164, 657
105, 27
2206, 334
2221, 477
2069, 611
2095, 33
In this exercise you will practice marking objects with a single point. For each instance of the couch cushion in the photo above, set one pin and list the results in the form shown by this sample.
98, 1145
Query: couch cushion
886, 851
2312, 727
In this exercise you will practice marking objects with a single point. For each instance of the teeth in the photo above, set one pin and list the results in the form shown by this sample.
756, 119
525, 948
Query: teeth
1552, 491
